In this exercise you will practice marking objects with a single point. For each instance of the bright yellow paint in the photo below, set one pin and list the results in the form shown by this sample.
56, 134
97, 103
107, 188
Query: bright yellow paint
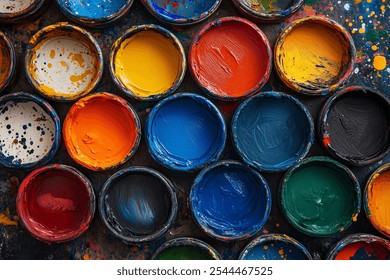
5, 219
148, 63
379, 62
374, 47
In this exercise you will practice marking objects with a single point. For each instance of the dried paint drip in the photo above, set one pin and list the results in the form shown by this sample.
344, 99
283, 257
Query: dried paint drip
63, 62
27, 132
15, 6
96, 9
5, 62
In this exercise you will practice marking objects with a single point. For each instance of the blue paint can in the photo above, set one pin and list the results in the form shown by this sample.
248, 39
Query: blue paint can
272, 131
96, 13
275, 247
30, 131
138, 204
230, 201
181, 12
185, 132
7, 62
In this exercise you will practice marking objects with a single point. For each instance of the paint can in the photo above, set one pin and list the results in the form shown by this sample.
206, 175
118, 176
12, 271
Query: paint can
101, 131
30, 131
138, 204
267, 11
186, 248
245, 68
7, 62
181, 12
185, 132
320, 197
15, 12
56, 203
354, 126
230, 201
272, 131
376, 199
96, 13
148, 62
314, 56
275, 247
361, 247
64, 62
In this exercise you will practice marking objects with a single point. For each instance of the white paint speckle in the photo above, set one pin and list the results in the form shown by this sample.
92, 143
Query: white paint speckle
347, 6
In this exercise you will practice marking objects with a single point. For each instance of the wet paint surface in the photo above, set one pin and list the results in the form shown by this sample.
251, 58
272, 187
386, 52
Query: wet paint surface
93, 9
269, 6
184, 252
230, 201
15, 6
27, 132
272, 131
171, 9
319, 198
5, 63
230, 59
148, 63
185, 132
89, 123
275, 250
363, 251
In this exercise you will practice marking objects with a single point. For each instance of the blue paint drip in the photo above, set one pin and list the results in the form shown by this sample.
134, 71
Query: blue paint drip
272, 131
275, 250
89, 9
185, 132
230, 201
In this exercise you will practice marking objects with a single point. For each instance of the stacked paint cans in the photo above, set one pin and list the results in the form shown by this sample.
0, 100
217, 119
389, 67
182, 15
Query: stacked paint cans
229, 154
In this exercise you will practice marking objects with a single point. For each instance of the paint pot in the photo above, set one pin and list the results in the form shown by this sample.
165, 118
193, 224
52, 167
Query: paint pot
7, 61
185, 132
268, 10
275, 247
101, 131
186, 248
361, 247
138, 204
272, 131
320, 197
64, 62
29, 131
18, 11
230, 201
314, 56
181, 12
94, 13
148, 62
56, 203
354, 126
377, 199
230, 58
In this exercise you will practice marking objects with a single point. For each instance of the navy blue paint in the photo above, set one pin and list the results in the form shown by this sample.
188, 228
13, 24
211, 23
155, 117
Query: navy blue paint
185, 132
230, 201
272, 131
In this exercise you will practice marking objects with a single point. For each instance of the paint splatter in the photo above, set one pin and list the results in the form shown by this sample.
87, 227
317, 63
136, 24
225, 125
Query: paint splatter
379, 62
7, 220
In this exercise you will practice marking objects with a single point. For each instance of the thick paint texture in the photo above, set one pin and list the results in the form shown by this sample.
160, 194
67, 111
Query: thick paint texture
15, 6
319, 199
269, 6
378, 199
93, 9
185, 132
275, 250
357, 126
363, 251
229, 201
173, 10
148, 63
184, 252
313, 56
5, 63
100, 131
137, 204
272, 132
230, 59
27, 132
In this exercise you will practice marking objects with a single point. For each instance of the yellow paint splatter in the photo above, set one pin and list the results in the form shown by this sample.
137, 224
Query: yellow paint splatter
50, 65
358, 1
281, 251
86, 256
374, 48
379, 62
383, 9
52, 54
354, 217
5, 219
77, 78
265, 247
369, 1
362, 30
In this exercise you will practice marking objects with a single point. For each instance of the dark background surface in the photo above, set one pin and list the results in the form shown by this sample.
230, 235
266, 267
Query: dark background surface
368, 23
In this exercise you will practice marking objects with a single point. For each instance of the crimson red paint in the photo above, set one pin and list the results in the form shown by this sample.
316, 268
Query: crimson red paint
56, 203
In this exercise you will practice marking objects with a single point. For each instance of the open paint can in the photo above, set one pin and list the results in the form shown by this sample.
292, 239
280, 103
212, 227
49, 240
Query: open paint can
16, 12
7, 62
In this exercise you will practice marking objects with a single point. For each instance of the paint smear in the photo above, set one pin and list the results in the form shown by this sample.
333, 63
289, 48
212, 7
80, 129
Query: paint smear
319, 198
93, 9
269, 6
379, 62
64, 64
363, 251
15, 6
230, 59
5, 63
27, 132
173, 10
148, 63
313, 56
378, 195
184, 252
275, 250
100, 131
